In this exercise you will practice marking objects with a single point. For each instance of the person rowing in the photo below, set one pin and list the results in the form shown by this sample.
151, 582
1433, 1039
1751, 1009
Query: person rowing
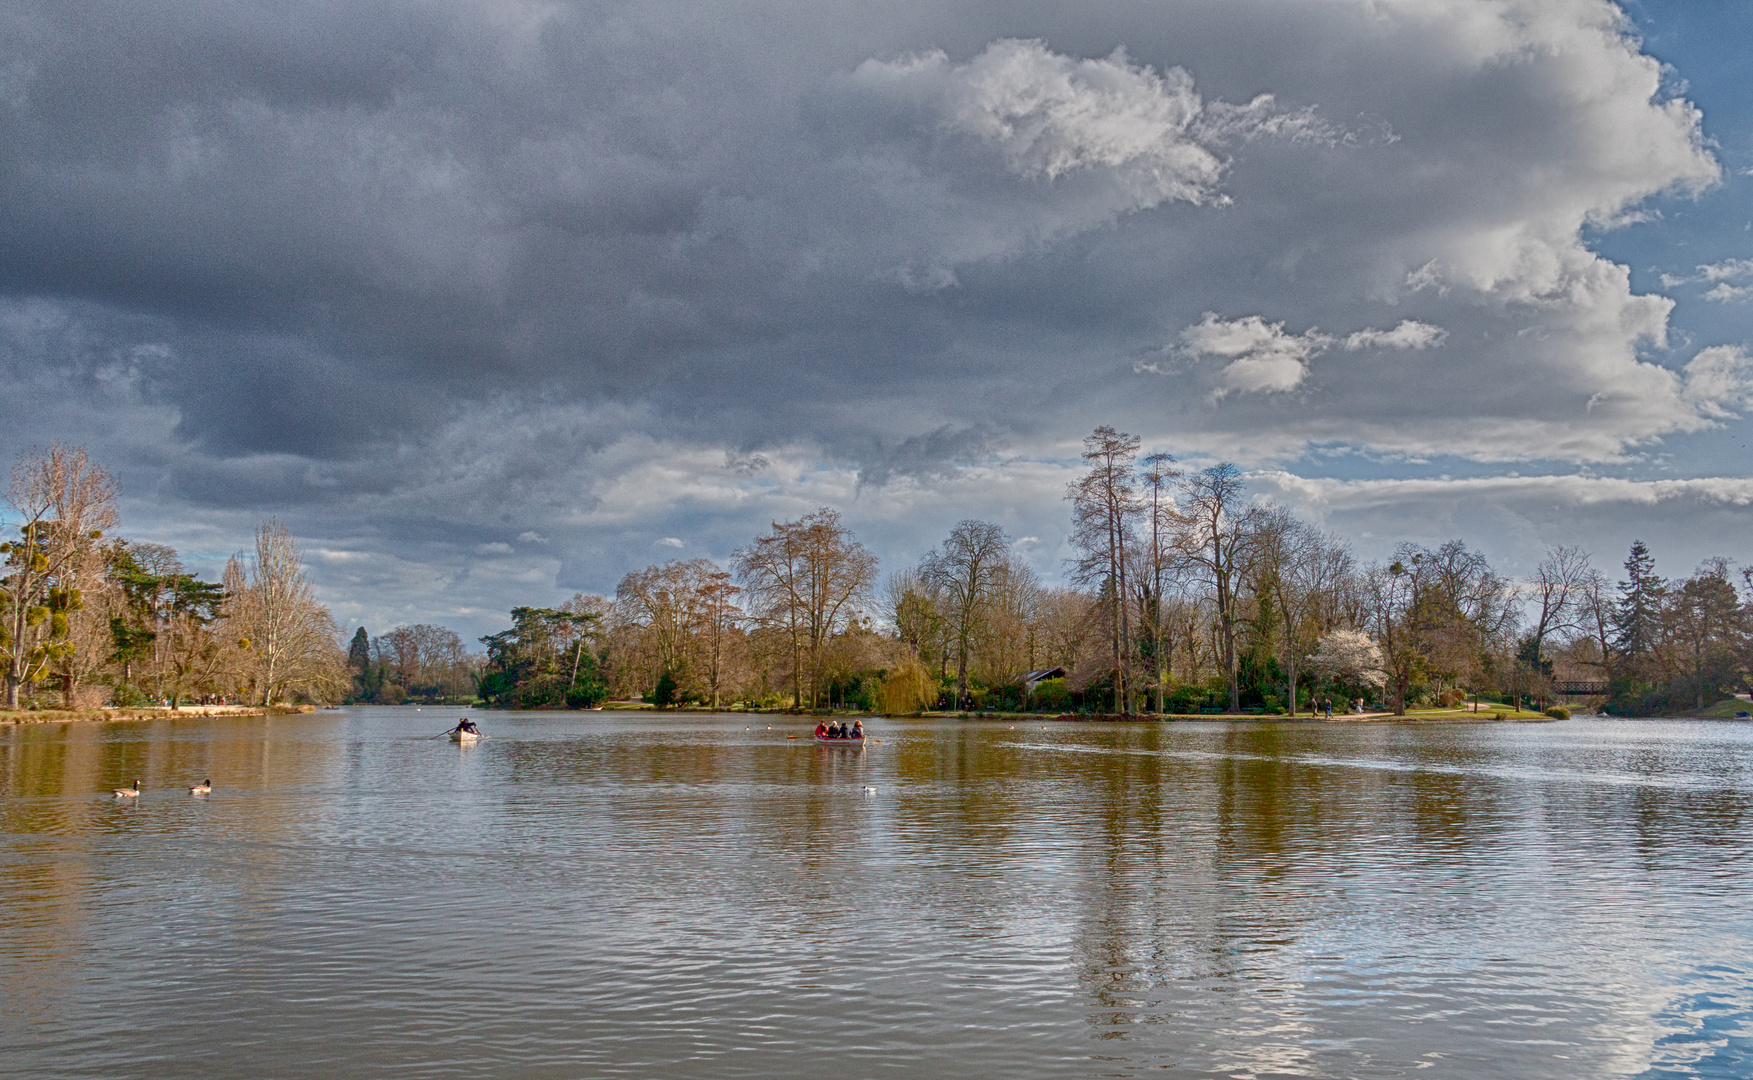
821, 729
465, 725
857, 731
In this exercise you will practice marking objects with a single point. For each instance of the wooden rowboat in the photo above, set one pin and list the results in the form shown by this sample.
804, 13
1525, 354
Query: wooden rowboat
464, 737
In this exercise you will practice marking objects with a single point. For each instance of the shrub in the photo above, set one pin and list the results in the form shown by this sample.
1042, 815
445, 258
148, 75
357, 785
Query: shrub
586, 693
1187, 699
1558, 712
1050, 695
664, 694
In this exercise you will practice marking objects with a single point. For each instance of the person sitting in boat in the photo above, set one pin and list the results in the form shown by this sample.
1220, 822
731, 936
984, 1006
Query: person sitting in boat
821, 729
465, 724
834, 730
857, 729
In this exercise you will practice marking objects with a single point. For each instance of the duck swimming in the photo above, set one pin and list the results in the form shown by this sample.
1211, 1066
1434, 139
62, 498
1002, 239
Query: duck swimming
127, 792
205, 787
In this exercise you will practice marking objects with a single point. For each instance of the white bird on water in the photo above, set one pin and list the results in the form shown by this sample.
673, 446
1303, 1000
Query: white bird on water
127, 792
205, 787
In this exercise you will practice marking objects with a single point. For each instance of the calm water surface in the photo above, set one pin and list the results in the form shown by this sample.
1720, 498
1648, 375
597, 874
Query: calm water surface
621, 895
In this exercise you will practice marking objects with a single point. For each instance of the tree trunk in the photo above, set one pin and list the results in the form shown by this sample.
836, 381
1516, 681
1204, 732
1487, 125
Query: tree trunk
1162, 672
1290, 663
1229, 663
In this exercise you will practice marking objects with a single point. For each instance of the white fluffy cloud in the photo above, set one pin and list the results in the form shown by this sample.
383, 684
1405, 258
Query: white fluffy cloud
1049, 115
1090, 138
1724, 293
1719, 380
1407, 334
1723, 276
1264, 358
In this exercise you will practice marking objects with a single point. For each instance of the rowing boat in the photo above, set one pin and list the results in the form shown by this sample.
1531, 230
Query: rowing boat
464, 736
858, 741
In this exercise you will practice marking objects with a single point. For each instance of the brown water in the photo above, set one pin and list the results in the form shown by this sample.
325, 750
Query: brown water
624, 895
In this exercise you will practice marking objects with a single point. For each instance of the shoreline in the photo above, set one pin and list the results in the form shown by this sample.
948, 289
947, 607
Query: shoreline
1495, 716
112, 714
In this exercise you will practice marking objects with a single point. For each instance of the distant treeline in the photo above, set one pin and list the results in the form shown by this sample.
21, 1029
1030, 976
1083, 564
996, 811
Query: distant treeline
411, 663
88, 618
1185, 595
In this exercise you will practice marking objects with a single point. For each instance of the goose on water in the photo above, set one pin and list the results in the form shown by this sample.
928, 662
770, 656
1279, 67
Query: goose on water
205, 787
127, 792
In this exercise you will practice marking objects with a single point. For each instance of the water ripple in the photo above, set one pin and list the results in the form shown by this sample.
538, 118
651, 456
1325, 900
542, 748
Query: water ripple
635, 896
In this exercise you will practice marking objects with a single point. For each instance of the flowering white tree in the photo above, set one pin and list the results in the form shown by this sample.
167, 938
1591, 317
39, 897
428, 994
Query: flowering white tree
1350, 656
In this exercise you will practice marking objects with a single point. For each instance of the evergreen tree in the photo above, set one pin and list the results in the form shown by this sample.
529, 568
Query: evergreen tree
665, 694
359, 652
1637, 620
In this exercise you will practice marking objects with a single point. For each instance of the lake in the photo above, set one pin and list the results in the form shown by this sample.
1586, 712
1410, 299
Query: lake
623, 894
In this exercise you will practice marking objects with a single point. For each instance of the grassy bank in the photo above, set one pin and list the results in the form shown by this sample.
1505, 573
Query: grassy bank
1722, 710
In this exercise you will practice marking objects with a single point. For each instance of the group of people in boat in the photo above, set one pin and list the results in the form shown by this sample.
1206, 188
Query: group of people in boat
837, 730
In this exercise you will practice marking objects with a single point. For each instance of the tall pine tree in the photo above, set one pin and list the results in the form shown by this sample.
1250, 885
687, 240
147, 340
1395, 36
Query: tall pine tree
1637, 619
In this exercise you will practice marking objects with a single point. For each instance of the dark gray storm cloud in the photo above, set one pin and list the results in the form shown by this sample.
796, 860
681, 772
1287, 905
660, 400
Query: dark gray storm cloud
437, 278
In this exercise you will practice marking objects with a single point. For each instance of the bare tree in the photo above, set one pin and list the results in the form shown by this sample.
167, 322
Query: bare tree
808, 579
1435, 613
1555, 591
721, 618
1069, 625
425, 659
1594, 610
963, 570
659, 604
1104, 504
1162, 523
1392, 593
1216, 538
64, 502
1009, 624
1295, 568
290, 634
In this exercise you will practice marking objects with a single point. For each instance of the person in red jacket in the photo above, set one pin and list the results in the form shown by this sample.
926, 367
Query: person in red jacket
821, 729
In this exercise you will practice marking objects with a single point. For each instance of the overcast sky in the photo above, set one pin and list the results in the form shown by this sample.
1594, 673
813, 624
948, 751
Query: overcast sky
496, 301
